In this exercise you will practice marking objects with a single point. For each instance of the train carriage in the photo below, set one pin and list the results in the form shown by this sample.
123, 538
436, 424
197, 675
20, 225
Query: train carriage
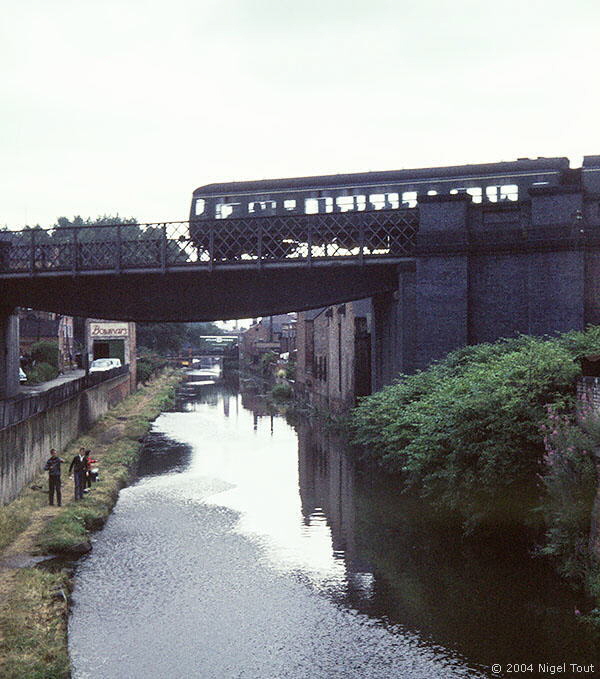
281, 217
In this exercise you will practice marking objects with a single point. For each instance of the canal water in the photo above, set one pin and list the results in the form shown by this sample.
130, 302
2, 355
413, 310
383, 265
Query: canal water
249, 548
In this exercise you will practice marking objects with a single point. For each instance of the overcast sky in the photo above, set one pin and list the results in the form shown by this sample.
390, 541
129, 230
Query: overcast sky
127, 105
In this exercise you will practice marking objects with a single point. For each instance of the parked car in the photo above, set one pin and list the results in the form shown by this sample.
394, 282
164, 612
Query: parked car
102, 364
22, 376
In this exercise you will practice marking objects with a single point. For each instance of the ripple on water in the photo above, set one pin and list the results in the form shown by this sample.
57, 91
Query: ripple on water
171, 590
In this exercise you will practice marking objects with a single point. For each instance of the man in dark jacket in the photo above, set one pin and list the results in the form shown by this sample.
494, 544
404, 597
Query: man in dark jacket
53, 468
79, 468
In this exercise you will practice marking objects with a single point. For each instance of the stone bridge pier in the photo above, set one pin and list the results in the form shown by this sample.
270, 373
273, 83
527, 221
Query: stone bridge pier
9, 353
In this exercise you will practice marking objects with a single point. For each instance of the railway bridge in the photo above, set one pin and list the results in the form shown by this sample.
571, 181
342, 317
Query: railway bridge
449, 256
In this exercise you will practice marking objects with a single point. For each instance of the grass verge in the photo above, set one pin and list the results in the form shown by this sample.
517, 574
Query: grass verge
33, 620
33, 602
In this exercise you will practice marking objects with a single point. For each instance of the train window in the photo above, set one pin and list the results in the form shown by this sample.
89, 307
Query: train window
392, 201
409, 199
509, 192
505, 192
258, 206
384, 201
311, 206
491, 193
477, 193
431, 192
289, 204
345, 203
223, 210
200, 205
378, 201
349, 203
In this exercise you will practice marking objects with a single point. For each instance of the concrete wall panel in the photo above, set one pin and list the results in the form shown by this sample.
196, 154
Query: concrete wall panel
25, 447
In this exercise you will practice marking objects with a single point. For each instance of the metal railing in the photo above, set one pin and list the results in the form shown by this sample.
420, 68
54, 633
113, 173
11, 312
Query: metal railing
208, 243
23, 407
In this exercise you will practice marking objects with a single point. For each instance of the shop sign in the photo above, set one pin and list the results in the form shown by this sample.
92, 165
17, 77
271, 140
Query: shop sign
106, 330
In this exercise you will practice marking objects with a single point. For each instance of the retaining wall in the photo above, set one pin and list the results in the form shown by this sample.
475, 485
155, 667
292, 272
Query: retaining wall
25, 445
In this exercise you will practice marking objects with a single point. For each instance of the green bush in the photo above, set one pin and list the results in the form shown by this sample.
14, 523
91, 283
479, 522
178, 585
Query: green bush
149, 364
282, 391
45, 351
144, 370
42, 372
465, 432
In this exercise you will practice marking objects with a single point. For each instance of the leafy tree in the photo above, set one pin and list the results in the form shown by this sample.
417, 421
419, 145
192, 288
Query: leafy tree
196, 330
166, 338
163, 338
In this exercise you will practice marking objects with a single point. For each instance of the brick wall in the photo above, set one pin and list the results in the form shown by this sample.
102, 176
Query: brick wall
330, 343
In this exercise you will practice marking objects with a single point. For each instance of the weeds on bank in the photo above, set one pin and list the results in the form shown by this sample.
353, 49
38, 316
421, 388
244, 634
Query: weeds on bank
569, 481
33, 620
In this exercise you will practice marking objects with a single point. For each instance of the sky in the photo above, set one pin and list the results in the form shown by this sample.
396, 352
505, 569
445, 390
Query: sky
126, 106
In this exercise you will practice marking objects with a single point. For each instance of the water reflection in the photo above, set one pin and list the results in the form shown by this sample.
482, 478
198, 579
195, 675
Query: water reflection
489, 599
268, 554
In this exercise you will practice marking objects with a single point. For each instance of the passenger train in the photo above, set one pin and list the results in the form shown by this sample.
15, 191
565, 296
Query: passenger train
387, 190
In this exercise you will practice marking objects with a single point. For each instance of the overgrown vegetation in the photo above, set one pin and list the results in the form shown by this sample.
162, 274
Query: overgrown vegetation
41, 372
569, 481
45, 351
282, 391
44, 367
465, 433
149, 363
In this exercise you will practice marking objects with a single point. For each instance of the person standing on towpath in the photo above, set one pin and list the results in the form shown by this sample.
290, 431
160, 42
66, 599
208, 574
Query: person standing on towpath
53, 468
79, 468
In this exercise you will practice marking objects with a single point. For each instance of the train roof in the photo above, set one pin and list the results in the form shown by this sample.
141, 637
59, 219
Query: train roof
386, 176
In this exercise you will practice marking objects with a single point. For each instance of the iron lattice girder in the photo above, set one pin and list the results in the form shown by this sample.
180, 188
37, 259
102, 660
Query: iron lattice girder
248, 241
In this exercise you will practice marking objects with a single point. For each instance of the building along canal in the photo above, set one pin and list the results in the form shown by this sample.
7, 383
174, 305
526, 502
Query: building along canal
249, 548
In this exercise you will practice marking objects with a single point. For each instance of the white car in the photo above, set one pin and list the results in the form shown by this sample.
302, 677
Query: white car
22, 376
102, 364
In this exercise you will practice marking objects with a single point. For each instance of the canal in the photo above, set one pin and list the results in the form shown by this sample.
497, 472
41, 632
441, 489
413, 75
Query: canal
249, 548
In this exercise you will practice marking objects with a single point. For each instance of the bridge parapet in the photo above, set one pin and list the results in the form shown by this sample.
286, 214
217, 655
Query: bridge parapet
250, 242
